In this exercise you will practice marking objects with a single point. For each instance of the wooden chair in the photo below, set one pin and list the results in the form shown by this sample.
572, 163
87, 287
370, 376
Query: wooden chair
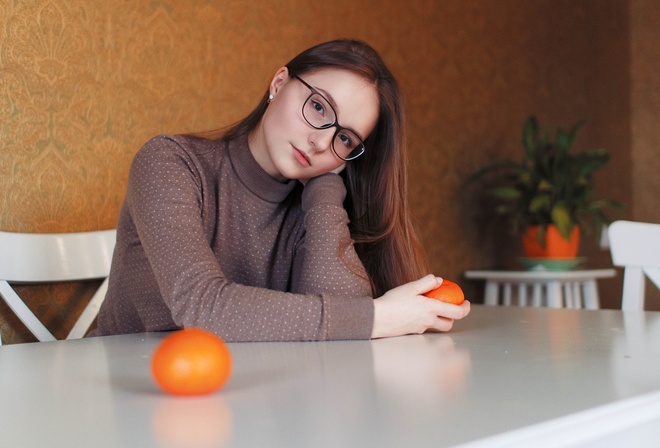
635, 246
55, 257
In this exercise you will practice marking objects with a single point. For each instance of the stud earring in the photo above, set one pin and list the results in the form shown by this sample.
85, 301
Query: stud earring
270, 98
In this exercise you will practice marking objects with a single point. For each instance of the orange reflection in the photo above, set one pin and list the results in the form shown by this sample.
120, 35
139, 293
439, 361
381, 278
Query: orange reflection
192, 423
565, 332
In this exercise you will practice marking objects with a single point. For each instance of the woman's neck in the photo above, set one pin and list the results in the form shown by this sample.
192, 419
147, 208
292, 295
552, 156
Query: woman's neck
258, 148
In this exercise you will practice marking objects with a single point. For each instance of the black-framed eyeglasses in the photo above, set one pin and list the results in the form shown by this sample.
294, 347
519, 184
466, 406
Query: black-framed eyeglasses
319, 114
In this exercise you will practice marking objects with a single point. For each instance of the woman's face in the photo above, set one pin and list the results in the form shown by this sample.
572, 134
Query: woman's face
287, 146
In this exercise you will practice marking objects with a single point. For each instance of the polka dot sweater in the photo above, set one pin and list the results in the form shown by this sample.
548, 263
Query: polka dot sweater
206, 238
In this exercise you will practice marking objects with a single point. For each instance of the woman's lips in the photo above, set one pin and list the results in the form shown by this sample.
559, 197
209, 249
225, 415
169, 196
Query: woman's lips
301, 157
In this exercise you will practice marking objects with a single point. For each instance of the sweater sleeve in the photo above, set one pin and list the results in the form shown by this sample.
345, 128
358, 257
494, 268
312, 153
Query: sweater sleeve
165, 196
326, 261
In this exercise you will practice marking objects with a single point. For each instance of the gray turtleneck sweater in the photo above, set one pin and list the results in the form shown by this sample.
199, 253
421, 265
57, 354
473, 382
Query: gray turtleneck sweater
206, 238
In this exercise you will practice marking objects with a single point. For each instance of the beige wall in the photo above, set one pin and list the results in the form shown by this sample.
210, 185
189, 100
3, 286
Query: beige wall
84, 84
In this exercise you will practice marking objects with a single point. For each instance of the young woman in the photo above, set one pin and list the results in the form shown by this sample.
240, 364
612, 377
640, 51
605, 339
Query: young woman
293, 225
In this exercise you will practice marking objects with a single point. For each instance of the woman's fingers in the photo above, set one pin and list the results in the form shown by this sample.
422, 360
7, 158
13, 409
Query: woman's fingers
424, 284
450, 314
403, 310
450, 310
442, 324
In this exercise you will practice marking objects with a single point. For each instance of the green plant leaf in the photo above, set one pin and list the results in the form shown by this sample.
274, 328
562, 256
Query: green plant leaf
540, 236
561, 217
505, 193
544, 185
550, 184
539, 203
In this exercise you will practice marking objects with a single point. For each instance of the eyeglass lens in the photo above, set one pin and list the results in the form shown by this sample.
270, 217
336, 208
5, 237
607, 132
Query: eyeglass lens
320, 114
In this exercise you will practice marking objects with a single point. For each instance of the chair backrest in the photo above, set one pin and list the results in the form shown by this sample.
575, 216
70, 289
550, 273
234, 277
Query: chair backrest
54, 257
636, 247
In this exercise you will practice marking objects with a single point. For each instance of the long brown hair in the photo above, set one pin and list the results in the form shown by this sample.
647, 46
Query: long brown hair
376, 182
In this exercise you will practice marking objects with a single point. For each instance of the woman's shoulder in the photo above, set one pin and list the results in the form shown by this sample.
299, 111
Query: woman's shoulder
179, 154
182, 143
188, 149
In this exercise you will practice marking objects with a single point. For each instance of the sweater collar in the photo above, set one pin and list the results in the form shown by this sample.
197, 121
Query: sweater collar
258, 181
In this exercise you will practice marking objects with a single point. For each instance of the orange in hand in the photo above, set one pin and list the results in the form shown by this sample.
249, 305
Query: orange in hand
191, 362
448, 292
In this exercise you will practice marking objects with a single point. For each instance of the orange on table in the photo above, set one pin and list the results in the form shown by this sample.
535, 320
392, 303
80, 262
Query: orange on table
448, 292
191, 362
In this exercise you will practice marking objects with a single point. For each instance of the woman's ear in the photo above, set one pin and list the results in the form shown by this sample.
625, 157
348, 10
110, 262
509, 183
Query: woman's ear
280, 78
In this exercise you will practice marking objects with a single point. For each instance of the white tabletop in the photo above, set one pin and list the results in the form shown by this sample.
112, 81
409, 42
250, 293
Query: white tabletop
503, 377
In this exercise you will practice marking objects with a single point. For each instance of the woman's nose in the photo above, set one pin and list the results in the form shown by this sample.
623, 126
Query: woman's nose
321, 139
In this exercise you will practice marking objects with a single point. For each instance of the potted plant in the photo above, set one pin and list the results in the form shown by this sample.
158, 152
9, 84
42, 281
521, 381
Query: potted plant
547, 196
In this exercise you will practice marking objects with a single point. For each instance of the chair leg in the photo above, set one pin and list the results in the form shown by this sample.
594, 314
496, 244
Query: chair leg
492, 293
537, 295
578, 300
522, 294
633, 289
568, 299
591, 300
89, 313
554, 292
506, 294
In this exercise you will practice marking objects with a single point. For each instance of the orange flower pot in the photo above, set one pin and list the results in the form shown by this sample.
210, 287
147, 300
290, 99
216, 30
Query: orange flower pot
555, 245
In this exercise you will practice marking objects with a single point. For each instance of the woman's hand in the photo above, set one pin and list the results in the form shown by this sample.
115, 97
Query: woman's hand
404, 310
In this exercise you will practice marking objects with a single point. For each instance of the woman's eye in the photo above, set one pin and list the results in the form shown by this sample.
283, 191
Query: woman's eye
346, 140
318, 107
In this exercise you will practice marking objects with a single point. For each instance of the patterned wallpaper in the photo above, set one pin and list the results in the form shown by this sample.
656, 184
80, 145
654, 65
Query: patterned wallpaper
84, 84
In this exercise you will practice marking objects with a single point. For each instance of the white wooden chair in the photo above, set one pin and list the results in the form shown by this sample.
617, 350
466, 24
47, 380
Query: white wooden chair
636, 247
55, 257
